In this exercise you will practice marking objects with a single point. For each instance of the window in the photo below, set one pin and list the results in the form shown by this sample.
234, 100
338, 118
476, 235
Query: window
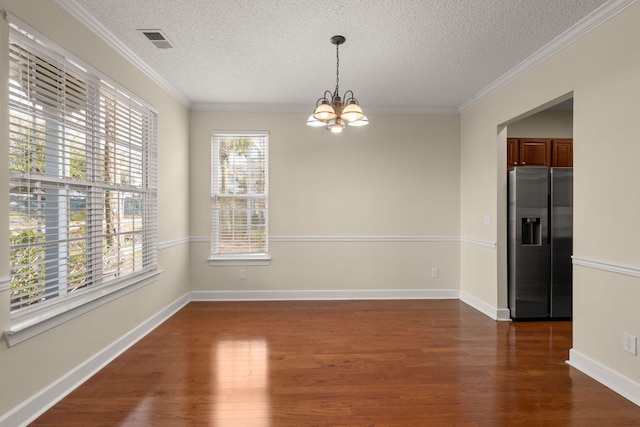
239, 197
83, 187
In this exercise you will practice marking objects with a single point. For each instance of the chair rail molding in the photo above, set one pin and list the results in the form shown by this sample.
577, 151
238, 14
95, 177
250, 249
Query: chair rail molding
607, 266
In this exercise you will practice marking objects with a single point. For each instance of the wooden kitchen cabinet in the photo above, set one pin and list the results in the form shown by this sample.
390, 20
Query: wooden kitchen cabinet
562, 153
535, 152
513, 153
539, 152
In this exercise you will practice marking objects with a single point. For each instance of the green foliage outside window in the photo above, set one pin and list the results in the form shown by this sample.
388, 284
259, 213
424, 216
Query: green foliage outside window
27, 271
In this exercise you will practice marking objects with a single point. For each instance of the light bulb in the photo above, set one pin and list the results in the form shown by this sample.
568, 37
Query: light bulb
324, 112
362, 122
352, 112
311, 121
336, 125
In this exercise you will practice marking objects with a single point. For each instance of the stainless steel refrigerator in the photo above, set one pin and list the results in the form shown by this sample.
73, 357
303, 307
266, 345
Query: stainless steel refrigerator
540, 242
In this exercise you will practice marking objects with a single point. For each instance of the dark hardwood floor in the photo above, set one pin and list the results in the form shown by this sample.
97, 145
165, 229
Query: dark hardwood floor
344, 363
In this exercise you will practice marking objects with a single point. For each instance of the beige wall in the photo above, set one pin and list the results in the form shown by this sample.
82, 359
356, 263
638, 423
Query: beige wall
545, 124
418, 176
602, 70
29, 367
397, 177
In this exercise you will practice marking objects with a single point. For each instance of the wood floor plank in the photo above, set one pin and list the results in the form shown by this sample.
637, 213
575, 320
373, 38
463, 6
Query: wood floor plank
344, 363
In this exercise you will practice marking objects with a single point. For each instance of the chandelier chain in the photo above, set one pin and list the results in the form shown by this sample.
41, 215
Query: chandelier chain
337, 93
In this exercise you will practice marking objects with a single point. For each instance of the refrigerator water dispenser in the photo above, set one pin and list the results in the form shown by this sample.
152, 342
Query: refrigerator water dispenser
531, 232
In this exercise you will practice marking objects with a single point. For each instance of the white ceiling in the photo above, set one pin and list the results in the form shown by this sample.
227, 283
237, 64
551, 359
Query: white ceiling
399, 55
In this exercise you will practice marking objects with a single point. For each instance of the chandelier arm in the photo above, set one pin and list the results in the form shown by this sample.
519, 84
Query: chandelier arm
352, 98
324, 98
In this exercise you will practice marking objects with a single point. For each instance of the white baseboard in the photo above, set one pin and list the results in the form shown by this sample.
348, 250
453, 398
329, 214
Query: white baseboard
603, 374
501, 314
269, 295
37, 404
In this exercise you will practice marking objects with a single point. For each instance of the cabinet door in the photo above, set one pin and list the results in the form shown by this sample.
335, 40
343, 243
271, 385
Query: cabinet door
513, 152
562, 153
535, 152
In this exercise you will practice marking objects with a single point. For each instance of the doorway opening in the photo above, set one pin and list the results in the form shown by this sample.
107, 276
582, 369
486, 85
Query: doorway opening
539, 199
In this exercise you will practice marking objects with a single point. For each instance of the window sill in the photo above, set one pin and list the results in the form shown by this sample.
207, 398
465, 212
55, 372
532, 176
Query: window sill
36, 322
250, 260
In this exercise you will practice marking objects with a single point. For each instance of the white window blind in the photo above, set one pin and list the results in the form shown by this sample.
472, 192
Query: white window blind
83, 185
239, 194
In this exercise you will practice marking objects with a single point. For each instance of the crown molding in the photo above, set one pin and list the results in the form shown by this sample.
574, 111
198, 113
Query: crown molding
81, 14
390, 109
307, 108
251, 108
585, 25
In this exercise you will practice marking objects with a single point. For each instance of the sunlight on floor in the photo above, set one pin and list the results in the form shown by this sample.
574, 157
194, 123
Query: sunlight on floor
241, 369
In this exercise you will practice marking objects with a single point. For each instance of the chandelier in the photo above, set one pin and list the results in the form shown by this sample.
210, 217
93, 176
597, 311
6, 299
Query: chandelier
331, 111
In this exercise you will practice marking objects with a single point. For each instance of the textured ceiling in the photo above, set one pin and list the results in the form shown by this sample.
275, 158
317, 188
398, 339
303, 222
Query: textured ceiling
399, 55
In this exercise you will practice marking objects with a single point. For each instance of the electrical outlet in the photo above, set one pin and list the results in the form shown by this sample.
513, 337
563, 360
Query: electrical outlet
435, 273
630, 343
487, 220
243, 274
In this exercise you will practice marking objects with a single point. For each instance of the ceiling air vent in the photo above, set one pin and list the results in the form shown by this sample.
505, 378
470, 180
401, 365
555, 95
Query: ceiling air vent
157, 38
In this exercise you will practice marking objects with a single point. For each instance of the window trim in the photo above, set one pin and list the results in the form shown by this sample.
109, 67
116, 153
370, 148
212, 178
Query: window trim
246, 259
40, 318
5, 284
